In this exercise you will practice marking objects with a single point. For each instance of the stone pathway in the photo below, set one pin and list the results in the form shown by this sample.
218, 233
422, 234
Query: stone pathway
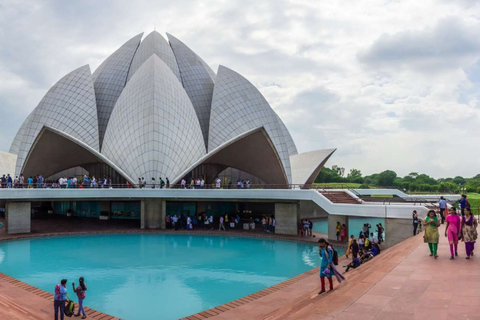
403, 282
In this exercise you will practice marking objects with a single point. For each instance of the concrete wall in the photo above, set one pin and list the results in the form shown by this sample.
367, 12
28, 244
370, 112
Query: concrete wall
332, 224
286, 218
18, 217
309, 209
397, 230
153, 214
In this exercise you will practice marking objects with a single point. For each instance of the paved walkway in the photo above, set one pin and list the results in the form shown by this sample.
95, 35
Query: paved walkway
403, 282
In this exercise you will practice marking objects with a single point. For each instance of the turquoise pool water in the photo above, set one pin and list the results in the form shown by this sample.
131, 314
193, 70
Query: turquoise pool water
157, 276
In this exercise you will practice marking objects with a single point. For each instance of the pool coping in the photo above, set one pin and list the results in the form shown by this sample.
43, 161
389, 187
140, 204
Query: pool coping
212, 312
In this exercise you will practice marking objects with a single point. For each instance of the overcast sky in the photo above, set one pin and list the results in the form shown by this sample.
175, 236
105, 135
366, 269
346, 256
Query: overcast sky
391, 84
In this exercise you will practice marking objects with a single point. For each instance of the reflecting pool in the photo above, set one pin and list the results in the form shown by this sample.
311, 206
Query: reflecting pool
157, 276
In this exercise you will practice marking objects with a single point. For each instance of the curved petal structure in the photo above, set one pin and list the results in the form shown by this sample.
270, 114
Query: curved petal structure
17, 141
306, 166
153, 130
197, 80
68, 106
262, 161
54, 151
291, 148
154, 43
237, 106
109, 81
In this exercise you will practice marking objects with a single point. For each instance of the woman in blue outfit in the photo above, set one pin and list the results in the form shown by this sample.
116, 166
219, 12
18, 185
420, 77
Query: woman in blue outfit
326, 253
327, 267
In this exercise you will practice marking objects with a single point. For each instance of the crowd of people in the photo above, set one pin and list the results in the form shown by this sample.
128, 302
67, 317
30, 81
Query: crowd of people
223, 222
459, 227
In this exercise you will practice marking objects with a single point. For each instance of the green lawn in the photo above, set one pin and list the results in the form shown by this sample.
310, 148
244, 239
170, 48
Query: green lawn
338, 185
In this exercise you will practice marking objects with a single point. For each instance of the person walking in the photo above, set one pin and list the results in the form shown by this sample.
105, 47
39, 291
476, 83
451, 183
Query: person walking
81, 294
349, 246
442, 204
469, 232
431, 236
452, 230
60, 298
221, 225
415, 222
463, 202
327, 267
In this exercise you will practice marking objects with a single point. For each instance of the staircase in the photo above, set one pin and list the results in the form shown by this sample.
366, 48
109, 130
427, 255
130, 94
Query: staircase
339, 197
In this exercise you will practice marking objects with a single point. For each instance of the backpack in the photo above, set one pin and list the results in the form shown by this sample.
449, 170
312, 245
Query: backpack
335, 256
69, 308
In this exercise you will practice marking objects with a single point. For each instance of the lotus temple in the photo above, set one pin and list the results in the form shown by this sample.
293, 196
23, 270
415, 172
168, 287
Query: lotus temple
155, 109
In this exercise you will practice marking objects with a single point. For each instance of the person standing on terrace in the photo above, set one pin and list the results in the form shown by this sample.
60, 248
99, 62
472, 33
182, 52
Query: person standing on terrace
452, 230
469, 232
60, 298
343, 233
431, 236
415, 222
338, 228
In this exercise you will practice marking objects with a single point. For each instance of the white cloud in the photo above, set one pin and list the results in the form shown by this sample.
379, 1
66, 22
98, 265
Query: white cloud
391, 84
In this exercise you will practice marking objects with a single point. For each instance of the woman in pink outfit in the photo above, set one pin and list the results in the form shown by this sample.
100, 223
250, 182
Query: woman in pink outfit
452, 230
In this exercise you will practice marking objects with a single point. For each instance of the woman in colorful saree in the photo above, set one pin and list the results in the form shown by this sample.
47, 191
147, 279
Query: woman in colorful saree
431, 236
452, 230
469, 231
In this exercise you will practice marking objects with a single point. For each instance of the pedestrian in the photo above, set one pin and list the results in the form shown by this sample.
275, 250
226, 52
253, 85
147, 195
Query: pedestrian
337, 230
221, 226
343, 232
81, 294
327, 267
380, 233
361, 243
431, 236
354, 248
60, 298
463, 202
310, 227
442, 204
469, 232
415, 222
167, 183
349, 246
452, 230
306, 227
218, 183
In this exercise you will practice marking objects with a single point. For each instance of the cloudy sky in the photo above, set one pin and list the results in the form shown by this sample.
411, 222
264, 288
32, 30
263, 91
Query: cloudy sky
391, 84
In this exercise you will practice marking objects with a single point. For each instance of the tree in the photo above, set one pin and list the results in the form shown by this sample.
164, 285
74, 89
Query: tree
338, 170
459, 180
355, 175
386, 178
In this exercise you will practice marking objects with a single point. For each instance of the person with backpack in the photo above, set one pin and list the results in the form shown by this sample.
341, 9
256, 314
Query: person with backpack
327, 266
81, 294
60, 298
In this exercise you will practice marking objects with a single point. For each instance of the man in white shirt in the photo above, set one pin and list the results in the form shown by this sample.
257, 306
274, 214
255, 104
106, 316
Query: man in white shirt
202, 184
218, 183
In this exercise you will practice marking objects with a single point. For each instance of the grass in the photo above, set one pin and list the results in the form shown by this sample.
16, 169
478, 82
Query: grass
338, 185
